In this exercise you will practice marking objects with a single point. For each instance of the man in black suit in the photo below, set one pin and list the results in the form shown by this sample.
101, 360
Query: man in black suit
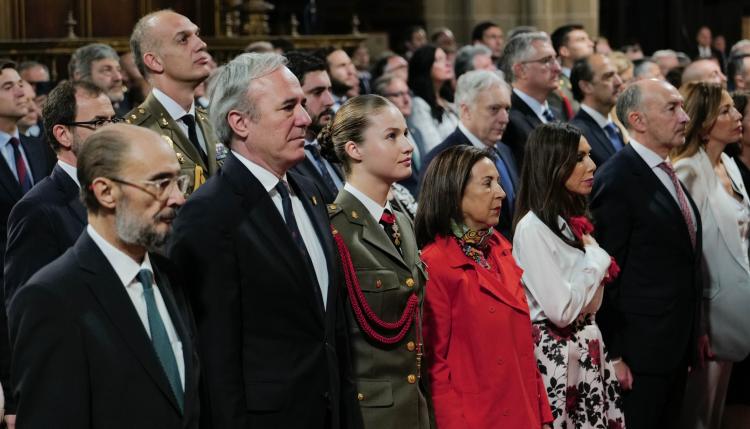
103, 336
596, 85
530, 63
264, 279
313, 77
483, 100
50, 217
703, 49
650, 317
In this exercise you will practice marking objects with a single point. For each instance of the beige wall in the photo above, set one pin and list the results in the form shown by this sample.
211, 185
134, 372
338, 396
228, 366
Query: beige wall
462, 15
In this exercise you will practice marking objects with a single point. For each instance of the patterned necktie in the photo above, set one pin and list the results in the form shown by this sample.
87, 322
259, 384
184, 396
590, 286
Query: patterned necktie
189, 120
548, 115
291, 221
611, 131
160, 339
322, 168
23, 176
681, 200
388, 222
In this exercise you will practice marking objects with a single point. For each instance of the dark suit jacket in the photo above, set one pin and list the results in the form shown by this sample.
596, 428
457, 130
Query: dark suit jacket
81, 355
601, 147
522, 122
272, 356
651, 313
457, 138
41, 227
308, 169
38, 156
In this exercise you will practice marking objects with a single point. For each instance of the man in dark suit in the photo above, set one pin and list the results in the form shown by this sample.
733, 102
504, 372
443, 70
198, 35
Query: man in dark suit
530, 63
313, 77
50, 217
103, 336
650, 316
264, 278
596, 85
703, 49
572, 43
483, 100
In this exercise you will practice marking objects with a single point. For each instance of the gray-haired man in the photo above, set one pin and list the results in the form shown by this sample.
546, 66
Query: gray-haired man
99, 64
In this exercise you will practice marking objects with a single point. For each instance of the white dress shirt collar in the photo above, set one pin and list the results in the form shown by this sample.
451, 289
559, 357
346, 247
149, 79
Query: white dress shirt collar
175, 110
265, 177
5, 137
72, 171
652, 158
125, 266
375, 209
535, 106
565, 71
596, 116
472, 138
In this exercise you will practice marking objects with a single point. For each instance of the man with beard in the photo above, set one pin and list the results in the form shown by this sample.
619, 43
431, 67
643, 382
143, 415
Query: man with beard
343, 74
99, 64
102, 336
173, 59
312, 75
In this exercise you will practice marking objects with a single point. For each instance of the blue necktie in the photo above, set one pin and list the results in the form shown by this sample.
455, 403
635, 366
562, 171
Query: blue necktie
548, 115
505, 182
160, 339
611, 130
322, 168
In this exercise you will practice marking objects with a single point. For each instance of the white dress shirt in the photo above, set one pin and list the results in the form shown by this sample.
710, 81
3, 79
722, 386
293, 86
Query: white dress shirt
326, 164
375, 209
72, 171
472, 138
561, 281
653, 160
10, 158
317, 256
535, 106
127, 270
598, 117
177, 112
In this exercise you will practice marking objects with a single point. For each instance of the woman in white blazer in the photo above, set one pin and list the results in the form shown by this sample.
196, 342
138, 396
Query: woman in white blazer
716, 185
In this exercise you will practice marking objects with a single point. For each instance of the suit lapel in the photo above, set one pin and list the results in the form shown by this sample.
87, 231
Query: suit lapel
170, 129
531, 118
209, 138
9, 181
601, 138
71, 192
106, 286
35, 155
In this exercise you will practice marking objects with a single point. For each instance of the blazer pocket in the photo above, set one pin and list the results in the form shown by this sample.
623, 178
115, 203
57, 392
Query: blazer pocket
374, 393
377, 280
266, 396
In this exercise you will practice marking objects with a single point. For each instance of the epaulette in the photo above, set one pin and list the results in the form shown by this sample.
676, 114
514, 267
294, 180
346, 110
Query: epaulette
137, 116
202, 113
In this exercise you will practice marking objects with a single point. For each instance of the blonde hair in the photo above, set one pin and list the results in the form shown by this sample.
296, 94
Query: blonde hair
702, 104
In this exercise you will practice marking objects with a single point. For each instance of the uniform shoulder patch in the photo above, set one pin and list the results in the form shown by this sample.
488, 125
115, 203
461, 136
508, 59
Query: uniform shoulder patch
137, 116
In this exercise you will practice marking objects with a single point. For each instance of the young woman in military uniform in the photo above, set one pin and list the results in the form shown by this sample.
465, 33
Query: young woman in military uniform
385, 281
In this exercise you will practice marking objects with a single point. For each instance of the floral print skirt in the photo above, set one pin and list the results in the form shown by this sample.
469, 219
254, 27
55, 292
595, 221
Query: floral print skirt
581, 385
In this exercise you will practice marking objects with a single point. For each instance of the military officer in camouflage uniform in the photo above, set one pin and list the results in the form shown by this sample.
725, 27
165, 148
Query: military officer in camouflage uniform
384, 276
172, 57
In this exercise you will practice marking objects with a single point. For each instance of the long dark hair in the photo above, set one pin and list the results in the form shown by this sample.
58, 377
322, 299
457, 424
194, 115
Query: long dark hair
420, 80
550, 156
442, 191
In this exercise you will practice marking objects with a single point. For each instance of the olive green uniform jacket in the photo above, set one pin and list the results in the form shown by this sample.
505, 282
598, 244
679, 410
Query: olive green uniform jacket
152, 115
390, 391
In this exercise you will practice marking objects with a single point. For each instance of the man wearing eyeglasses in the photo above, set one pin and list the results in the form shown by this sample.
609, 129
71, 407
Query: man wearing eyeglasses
172, 57
530, 64
102, 337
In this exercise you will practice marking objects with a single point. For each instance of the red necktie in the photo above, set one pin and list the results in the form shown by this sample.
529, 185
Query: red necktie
23, 177
681, 199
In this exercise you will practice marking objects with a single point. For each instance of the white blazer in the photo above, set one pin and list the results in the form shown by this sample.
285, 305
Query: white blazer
726, 274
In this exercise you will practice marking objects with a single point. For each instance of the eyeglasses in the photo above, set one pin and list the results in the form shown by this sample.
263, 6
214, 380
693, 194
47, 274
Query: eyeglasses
93, 124
158, 188
547, 61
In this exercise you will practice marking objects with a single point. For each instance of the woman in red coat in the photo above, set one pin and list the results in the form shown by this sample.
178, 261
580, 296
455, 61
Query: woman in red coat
476, 326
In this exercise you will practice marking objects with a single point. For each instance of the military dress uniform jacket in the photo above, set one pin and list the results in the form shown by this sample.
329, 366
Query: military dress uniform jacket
389, 389
152, 115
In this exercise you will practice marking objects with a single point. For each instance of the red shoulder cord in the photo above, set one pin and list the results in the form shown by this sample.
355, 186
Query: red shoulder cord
362, 311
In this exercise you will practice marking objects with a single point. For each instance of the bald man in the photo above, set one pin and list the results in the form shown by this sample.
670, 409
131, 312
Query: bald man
650, 315
173, 59
704, 71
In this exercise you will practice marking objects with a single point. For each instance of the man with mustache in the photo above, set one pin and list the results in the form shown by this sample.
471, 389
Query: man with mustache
483, 99
172, 57
650, 316
102, 336
264, 280
316, 84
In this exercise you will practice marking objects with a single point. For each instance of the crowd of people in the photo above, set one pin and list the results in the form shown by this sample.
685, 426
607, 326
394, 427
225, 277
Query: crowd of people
529, 231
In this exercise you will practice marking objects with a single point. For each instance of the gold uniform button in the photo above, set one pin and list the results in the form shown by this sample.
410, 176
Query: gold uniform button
410, 282
360, 397
411, 378
410, 346
378, 284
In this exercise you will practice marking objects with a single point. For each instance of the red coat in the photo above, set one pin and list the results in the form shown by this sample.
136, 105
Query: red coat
478, 341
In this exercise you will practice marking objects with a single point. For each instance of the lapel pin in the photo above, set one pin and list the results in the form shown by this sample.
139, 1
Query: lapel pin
355, 215
164, 122
314, 200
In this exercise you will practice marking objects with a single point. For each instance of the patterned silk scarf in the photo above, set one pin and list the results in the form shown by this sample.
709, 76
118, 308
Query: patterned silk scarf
475, 244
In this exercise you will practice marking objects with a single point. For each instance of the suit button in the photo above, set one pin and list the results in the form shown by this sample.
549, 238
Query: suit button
492, 309
410, 282
411, 378
410, 346
378, 284
360, 397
